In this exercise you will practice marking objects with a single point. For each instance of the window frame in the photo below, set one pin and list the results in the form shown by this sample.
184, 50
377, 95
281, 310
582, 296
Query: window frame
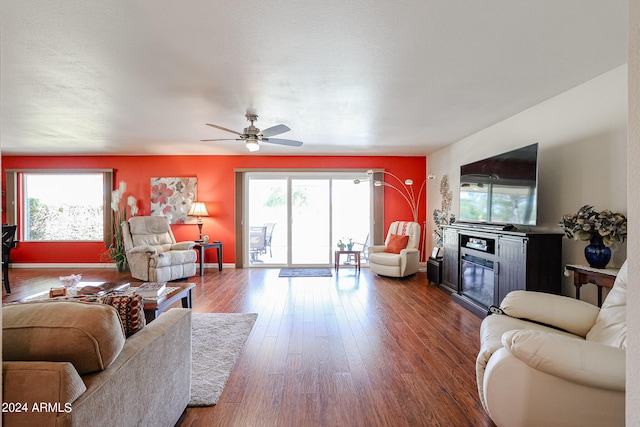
15, 192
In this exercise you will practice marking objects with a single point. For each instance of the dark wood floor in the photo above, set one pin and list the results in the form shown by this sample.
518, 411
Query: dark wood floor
349, 350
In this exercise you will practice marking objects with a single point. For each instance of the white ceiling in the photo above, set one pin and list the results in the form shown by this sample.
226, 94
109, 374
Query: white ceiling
348, 77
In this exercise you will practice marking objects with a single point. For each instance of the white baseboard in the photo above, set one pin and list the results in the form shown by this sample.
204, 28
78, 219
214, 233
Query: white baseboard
105, 265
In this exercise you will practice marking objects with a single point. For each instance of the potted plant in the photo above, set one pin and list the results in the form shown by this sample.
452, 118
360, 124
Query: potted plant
350, 244
120, 212
602, 229
341, 245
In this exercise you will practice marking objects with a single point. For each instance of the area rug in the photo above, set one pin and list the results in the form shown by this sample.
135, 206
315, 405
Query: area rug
217, 340
305, 272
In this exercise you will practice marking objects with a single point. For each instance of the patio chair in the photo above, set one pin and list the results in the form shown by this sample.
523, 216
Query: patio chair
260, 240
257, 241
362, 247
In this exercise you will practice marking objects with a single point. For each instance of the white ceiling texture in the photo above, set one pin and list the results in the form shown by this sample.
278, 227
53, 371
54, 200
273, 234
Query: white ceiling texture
354, 77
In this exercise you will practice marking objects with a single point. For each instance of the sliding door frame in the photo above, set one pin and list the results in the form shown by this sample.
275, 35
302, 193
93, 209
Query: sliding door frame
377, 203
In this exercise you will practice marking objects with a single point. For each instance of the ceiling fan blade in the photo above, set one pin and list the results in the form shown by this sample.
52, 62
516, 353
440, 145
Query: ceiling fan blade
289, 142
221, 128
218, 139
275, 130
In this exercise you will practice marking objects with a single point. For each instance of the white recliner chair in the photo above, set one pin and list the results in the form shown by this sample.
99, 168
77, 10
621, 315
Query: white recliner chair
530, 374
152, 252
385, 261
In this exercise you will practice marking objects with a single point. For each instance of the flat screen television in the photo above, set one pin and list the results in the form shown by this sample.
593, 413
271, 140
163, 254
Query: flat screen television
501, 190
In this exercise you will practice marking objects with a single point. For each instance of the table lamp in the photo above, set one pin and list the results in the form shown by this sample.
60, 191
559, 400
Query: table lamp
198, 209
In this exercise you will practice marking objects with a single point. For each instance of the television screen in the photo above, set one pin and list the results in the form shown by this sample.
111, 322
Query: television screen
501, 189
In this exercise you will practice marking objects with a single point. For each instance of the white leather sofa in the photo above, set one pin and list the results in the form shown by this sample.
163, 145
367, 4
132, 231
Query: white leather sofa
530, 374
153, 253
392, 264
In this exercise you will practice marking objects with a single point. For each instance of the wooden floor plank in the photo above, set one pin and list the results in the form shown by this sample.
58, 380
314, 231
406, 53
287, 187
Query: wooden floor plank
354, 349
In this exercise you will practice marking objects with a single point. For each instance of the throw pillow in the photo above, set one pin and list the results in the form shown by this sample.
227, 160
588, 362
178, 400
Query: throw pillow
131, 311
396, 243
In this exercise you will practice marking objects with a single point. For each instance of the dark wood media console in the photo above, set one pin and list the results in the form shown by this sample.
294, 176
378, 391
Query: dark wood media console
482, 265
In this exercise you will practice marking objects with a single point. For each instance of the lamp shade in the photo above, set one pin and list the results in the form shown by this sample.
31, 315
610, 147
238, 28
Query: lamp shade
198, 209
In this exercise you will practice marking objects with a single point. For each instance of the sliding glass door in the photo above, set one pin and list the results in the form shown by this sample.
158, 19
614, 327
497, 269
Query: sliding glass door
297, 218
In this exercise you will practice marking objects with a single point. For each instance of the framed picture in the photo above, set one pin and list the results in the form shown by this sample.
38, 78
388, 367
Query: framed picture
172, 198
436, 253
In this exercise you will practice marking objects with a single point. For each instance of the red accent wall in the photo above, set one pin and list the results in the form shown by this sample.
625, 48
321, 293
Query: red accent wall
215, 187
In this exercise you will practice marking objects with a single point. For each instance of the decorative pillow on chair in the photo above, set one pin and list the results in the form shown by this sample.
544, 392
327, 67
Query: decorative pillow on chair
396, 243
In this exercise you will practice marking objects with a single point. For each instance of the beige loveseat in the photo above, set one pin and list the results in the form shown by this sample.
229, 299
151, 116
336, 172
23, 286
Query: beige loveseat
68, 364
530, 374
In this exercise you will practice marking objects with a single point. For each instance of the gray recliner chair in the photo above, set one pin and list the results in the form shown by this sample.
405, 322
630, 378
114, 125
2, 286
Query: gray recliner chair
153, 253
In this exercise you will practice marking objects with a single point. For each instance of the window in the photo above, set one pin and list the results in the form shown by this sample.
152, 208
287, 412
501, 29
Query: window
60, 205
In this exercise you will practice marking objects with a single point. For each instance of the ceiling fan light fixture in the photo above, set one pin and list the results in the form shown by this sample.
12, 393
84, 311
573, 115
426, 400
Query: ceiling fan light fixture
252, 145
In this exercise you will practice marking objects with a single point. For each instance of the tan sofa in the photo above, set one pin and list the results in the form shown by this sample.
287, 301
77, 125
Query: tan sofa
68, 364
530, 374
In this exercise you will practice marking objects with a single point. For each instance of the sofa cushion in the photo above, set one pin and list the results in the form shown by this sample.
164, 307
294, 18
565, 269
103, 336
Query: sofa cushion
87, 335
611, 325
396, 243
57, 381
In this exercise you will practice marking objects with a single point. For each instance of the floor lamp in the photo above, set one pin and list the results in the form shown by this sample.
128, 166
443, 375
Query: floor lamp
405, 189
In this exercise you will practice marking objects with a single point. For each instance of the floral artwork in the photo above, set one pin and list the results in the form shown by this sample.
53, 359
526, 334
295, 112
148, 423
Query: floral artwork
441, 216
172, 198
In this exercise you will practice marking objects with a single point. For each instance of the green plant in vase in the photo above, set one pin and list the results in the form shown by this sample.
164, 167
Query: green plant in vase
121, 211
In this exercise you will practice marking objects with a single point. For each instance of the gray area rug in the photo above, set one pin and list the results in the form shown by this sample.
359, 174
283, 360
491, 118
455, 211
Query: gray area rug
305, 272
217, 341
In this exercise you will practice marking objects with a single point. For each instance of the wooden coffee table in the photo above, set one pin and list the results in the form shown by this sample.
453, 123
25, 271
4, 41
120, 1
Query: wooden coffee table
153, 307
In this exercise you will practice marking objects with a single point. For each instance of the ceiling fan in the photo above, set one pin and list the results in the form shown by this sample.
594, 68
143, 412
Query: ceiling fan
252, 136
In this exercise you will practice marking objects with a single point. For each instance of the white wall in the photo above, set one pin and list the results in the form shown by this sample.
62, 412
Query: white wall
582, 136
633, 159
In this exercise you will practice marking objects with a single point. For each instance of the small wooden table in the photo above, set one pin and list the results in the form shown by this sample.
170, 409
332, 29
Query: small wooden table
340, 252
201, 247
601, 277
153, 307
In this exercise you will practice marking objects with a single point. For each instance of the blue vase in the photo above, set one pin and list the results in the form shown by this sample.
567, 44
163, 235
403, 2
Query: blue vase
596, 253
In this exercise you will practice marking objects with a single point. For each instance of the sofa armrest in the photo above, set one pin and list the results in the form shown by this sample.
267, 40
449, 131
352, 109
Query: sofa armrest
569, 314
25, 384
376, 248
148, 249
409, 251
182, 246
584, 362
158, 393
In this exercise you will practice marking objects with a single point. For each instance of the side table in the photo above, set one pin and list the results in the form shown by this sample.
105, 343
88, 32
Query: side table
201, 247
340, 252
601, 277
